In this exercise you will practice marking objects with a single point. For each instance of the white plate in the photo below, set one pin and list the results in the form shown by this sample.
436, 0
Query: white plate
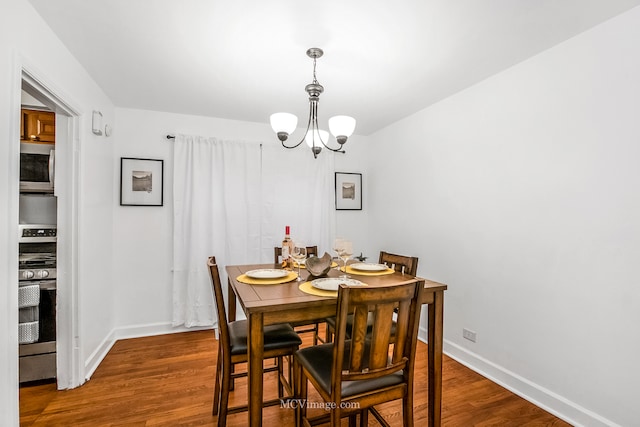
267, 273
333, 283
365, 266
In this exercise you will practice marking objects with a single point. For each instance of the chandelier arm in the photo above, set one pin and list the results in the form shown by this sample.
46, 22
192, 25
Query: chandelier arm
315, 118
291, 146
313, 123
314, 126
305, 132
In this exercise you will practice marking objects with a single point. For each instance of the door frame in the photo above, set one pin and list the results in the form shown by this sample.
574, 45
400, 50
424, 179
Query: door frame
70, 369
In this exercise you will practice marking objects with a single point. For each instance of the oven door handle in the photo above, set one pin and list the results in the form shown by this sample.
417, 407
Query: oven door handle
47, 285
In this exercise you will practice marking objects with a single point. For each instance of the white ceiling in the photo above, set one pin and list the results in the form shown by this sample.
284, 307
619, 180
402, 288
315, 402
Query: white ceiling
246, 59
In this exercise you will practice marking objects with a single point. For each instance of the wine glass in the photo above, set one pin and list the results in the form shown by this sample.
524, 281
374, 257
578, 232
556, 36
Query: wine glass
345, 254
338, 246
299, 254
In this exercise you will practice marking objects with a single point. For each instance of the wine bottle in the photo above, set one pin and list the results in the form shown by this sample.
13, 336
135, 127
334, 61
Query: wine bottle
287, 248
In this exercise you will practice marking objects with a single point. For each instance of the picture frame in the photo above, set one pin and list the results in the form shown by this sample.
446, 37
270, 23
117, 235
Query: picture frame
348, 191
141, 182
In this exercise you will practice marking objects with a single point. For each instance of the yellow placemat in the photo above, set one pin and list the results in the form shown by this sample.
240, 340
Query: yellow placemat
307, 288
368, 273
243, 278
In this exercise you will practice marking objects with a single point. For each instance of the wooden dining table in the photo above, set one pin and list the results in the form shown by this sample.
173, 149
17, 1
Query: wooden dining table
283, 303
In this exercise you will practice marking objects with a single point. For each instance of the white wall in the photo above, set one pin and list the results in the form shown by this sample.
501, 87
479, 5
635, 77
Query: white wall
356, 225
521, 194
25, 41
143, 235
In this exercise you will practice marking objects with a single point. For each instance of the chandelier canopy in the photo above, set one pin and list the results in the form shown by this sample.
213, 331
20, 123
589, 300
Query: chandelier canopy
340, 126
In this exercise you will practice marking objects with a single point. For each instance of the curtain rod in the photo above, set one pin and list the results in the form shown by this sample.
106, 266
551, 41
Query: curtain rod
169, 136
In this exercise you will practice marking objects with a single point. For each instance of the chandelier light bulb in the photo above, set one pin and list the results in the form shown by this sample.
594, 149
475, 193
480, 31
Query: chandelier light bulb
315, 136
342, 126
283, 123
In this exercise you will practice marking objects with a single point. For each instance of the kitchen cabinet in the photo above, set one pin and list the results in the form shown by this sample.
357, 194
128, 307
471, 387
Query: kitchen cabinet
37, 126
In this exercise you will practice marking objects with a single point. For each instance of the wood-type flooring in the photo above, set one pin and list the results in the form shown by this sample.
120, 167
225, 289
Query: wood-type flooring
167, 380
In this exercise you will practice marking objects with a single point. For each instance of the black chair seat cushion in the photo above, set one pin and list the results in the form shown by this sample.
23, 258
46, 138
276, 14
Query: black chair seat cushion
318, 359
275, 337
331, 321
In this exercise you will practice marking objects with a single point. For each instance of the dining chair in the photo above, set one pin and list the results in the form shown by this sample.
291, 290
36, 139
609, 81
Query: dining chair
353, 375
305, 327
279, 341
401, 263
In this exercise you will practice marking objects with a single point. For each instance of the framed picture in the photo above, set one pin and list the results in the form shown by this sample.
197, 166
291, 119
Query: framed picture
141, 182
348, 191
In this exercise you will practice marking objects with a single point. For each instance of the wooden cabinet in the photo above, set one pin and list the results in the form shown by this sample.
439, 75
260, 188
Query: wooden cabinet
38, 126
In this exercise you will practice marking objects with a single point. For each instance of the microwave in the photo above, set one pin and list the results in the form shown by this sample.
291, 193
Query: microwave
37, 167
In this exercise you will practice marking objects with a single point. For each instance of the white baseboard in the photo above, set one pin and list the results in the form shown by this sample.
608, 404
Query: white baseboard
422, 334
152, 329
92, 362
551, 402
136, 331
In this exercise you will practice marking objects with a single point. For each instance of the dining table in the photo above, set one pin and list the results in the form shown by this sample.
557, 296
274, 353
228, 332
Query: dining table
267, 304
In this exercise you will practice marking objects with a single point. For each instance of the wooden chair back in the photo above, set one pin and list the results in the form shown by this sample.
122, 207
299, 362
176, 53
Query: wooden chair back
277, 253
223, 324
368, 355
404, 264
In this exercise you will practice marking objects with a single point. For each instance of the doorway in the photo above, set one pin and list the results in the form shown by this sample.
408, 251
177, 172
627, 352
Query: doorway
69, 368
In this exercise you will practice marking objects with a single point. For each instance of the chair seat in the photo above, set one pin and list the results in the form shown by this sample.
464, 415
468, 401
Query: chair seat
331, 322
275, 337
317, 361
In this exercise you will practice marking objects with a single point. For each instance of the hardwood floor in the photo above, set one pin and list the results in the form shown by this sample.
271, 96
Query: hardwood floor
167, 380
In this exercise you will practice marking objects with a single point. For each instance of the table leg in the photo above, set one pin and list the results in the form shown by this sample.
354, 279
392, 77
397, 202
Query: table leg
434, 347
255, 335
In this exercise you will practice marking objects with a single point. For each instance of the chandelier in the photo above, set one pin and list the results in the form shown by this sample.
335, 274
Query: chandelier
341, 127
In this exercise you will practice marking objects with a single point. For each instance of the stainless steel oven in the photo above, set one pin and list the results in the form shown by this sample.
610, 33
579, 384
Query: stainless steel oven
37, 291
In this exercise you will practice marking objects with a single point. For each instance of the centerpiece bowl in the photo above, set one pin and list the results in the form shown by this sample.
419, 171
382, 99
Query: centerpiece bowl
318, 266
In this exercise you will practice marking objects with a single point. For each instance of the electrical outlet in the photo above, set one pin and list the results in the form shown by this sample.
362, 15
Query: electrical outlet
470, 335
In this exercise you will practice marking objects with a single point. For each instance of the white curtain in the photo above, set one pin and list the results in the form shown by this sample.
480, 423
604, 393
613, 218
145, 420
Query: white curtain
232, 199
216, 211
